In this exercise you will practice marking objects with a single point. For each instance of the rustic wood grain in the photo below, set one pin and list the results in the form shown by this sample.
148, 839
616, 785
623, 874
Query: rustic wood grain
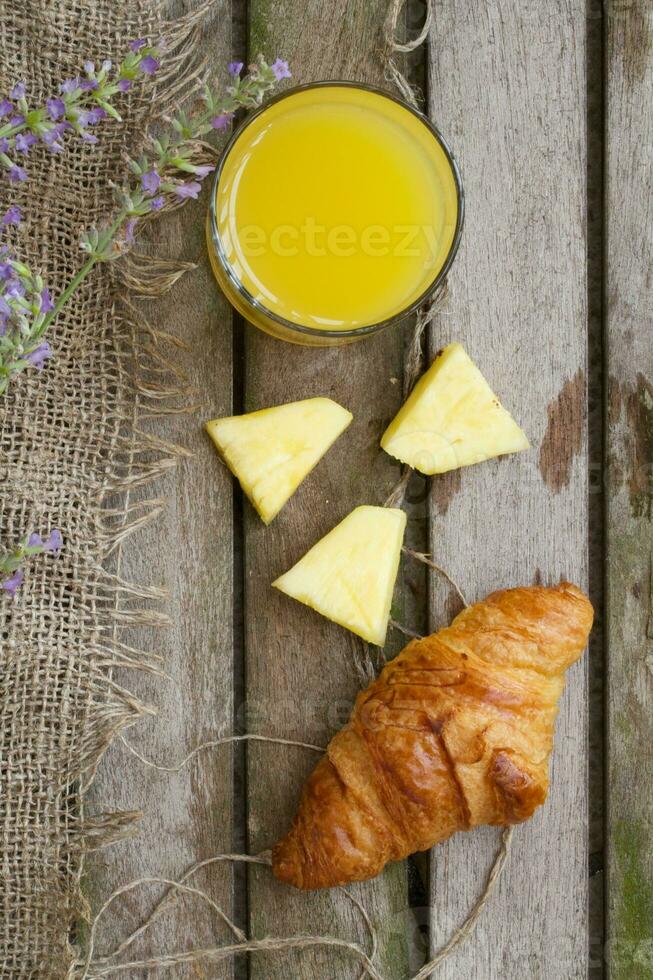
301, 673
629, 461
187, 816
507, 86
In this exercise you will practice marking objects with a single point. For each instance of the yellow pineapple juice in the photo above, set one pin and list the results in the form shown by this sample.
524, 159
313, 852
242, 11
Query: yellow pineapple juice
336, 210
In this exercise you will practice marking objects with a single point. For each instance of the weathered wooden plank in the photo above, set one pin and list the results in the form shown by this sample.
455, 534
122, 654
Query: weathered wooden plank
301, 674
629, 462
189, 551
507, 86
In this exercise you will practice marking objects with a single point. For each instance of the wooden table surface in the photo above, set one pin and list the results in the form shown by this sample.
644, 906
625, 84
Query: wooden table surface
549, 110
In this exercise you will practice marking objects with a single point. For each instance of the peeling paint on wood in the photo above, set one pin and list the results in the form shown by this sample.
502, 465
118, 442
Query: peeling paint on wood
639, 411
563, 439
637, 38
445, 488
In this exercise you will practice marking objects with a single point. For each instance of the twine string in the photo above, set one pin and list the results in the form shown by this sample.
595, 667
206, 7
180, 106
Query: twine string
171, 894
405, 630
426, 560
93, 969
392, 21
215, 743
102, 966
393, 46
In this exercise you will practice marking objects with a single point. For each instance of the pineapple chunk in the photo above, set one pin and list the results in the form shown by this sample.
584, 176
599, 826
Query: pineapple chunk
349, 575
271, 451
452, 418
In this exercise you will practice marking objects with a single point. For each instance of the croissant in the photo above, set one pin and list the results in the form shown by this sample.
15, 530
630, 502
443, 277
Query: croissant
455, 732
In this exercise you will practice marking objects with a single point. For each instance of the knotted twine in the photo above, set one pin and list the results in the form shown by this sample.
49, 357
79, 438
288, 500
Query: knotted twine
69, 439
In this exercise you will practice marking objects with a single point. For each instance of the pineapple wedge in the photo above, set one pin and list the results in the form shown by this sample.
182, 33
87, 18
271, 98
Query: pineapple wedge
452, 418
271, 451
349, 575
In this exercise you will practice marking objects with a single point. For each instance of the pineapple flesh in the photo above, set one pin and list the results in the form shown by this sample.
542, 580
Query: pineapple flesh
272, 450
452, 418
349, 575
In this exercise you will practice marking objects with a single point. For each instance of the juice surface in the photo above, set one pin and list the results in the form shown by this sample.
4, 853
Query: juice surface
336, 208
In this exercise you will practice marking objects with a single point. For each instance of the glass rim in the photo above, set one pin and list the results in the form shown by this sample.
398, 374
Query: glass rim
366, 328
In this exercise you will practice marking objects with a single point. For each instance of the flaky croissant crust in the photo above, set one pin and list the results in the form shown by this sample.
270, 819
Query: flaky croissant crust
455, 732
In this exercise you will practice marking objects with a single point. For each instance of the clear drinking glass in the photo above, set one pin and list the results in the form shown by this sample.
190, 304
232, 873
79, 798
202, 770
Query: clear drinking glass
316, 121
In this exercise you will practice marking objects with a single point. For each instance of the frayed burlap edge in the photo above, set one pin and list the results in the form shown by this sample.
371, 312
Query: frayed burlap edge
70, 452
154, 386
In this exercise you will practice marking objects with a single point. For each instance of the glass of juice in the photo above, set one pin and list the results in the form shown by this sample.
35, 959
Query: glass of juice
336, 211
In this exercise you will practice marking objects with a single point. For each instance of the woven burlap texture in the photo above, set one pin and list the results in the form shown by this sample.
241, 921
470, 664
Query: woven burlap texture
68, 451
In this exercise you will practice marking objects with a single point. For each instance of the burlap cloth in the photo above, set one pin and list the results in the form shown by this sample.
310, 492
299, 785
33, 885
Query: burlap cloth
67, 451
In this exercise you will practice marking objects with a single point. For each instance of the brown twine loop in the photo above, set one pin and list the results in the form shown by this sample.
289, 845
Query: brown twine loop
264, 858
392, 45
102, 966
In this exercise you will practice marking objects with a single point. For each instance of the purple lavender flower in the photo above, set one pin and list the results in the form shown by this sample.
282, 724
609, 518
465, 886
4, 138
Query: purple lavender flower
89, 137
156, 203
6, 272
5, 108
190, 189
280, 69
24, 141
15, 289
54, 542
4, 144
222, 121
17, 120
18, 91
46, 301
56, 108
13, 582
150, 182
39, 355
52, 136
69, 86
12, 216
124, 85
16, 174
5, 308
88, 117
149, 65
204, 171
88, 84
234, 68
89, 67
97, 114
137, 45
